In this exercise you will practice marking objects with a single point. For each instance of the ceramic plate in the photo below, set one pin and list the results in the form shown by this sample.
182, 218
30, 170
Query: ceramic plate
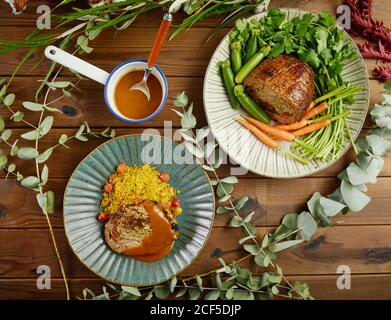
243, 147
83, 195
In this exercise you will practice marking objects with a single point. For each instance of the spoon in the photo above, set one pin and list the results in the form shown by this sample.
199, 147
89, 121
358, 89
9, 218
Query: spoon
159, 40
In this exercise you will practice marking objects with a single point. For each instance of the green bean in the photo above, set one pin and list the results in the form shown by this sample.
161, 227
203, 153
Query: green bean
229, 82
251, 64
252, 45
250, 105
236, 56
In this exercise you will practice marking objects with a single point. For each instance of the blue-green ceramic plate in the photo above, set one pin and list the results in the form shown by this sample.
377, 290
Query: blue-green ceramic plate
83, 195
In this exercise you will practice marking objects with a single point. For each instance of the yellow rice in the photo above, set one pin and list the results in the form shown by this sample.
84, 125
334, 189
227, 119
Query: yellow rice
135, 185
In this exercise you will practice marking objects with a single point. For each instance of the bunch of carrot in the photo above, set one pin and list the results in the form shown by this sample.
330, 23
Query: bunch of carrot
270, 135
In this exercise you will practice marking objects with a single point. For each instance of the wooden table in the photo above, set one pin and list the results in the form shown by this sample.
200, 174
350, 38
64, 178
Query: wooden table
363, 241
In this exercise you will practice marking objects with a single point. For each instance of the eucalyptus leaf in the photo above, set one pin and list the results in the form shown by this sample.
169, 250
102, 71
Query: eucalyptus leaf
253, 249
42, 201
3, 161
44, 155
358, 176
2, 124
31, 135
199, 282
9, 99
240, 202
30, 182
212, 295
181, 292
230, 180
307, 225
243, 295
11, 167
188, 121
45, 174
32, 106
330, 207
132, 290
173, 283
27, 153
46, 125
202, 133
17, 116
181, 100
235, 222
194, 293
354, 198
6, 134
378, 145
162, 292
224, 189
280, 246
207, 168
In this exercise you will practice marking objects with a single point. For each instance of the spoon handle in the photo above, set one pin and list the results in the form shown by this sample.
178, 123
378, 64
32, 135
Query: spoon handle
159, 40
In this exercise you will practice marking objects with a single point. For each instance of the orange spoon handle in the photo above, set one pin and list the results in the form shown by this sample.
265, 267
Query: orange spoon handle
160, 39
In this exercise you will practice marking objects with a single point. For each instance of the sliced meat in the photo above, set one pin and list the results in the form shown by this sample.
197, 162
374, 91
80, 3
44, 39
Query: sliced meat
127, 228
284, 86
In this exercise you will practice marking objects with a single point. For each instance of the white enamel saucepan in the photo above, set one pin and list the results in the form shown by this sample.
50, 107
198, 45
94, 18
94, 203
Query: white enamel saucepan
110, 80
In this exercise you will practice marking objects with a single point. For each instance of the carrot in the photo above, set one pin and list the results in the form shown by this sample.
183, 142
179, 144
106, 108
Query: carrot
316, 110
263, 137
275, 132
312, 104
311, 128
293, 126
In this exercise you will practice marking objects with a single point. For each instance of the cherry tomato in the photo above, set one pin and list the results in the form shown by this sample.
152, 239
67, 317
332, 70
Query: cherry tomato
164, 176
121, 168
175, 203
177, 211
108, 187
103, 216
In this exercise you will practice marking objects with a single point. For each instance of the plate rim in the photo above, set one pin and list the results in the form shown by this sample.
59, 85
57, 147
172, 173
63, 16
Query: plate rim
330, 163
137, 284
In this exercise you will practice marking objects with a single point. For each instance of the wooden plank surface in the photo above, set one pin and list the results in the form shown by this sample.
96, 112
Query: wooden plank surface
370, 252
363, 241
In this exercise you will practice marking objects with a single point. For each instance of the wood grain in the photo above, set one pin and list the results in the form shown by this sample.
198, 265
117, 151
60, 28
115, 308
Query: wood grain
174, 58
64, 161
365, 249
18, 207
87, 104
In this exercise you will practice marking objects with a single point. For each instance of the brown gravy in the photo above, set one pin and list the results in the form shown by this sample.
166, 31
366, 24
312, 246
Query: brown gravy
159, 243
133, 104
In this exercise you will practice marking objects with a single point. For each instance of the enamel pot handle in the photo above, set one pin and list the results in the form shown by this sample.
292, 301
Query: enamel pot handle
70, 61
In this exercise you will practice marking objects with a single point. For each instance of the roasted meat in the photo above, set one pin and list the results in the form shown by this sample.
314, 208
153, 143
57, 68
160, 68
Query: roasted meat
284, 86
143, 232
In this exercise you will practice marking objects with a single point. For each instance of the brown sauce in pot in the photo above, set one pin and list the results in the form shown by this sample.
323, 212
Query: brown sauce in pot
133, 104
157, 245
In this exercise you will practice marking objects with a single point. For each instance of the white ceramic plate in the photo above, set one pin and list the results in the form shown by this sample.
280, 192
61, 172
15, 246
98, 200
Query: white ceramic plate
243, 148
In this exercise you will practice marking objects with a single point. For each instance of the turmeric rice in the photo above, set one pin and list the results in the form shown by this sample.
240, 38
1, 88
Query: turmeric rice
132, 185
